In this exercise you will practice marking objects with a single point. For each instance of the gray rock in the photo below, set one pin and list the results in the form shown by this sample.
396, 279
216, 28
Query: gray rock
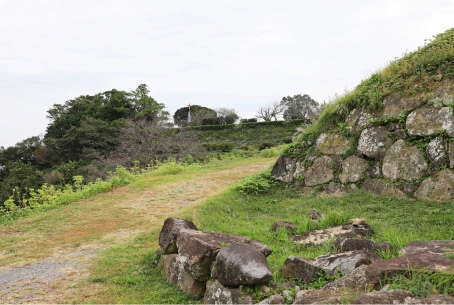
240, 264
428, 121
376, 272
381, 188
403, 161
300, 268
436, 152
201, 248
374, 141
332, 143
352, 244
173, 265
451, 154
317, 237
169, 232
394, 104
440, 247
382, 297
353, 169
320, 172
358, 119
333, 188
345, 262
337, 291
216, 293
438, 187
314, 214
283, 168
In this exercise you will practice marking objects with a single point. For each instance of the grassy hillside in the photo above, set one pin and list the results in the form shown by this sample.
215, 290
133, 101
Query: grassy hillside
414, 74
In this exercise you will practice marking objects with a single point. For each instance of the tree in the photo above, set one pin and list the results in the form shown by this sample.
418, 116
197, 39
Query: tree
270, 111
145, 142
198, 113
227, 116
89, 124
299, 107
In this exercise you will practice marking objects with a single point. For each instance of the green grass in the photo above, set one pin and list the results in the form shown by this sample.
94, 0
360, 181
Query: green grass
133, 277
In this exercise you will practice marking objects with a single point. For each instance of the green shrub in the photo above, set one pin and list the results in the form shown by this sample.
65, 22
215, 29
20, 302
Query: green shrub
265, 145
269, 152
256, 184
219, 146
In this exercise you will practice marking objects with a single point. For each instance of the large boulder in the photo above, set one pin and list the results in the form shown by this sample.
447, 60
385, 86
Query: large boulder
358, 119
438, 187
173, 265
283, 169
374, 141
353, 169
300, 268
332, 143
381, 188
169, 232
440, 247
318, 237
337, 291
216, 293
430, 262
320, 172
305, 269
403, 161
394, 104
428, 121
436, 151
241, 264
201, 249
352, 244
345, 262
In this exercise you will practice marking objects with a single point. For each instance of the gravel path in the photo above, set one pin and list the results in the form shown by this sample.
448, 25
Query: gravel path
56, 277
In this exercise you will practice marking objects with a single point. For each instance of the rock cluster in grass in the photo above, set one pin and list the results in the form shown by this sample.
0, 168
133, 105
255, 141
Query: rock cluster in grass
220, 268
405, 150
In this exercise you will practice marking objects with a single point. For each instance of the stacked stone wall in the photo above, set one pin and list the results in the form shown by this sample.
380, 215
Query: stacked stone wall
405, 150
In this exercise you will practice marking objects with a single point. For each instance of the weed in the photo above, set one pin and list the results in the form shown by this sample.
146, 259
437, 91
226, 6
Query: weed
422, 284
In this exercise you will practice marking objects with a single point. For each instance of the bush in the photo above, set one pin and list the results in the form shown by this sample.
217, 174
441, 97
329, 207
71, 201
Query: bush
256, 184
265, 145
219, 146
269, 152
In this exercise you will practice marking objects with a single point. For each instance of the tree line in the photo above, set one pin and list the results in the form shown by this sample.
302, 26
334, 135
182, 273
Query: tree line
90, 135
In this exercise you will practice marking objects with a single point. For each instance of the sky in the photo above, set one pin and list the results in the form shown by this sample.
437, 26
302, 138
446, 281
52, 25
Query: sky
240, 54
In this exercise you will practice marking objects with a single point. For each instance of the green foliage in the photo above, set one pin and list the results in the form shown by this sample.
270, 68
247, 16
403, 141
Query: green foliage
219, 146
198, 113
90, 124
264, 145
423, 284
256, 184
299, 107
269, 152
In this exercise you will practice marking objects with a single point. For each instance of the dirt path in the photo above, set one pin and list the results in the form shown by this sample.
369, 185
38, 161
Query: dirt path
42, 258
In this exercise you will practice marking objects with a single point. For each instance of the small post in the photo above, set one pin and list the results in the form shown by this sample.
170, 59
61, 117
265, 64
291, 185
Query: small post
189, 114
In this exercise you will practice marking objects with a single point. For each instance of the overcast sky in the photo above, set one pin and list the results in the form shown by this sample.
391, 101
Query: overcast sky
239, 54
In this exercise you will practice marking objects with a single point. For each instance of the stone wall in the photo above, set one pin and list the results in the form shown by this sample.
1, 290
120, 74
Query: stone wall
405, 150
